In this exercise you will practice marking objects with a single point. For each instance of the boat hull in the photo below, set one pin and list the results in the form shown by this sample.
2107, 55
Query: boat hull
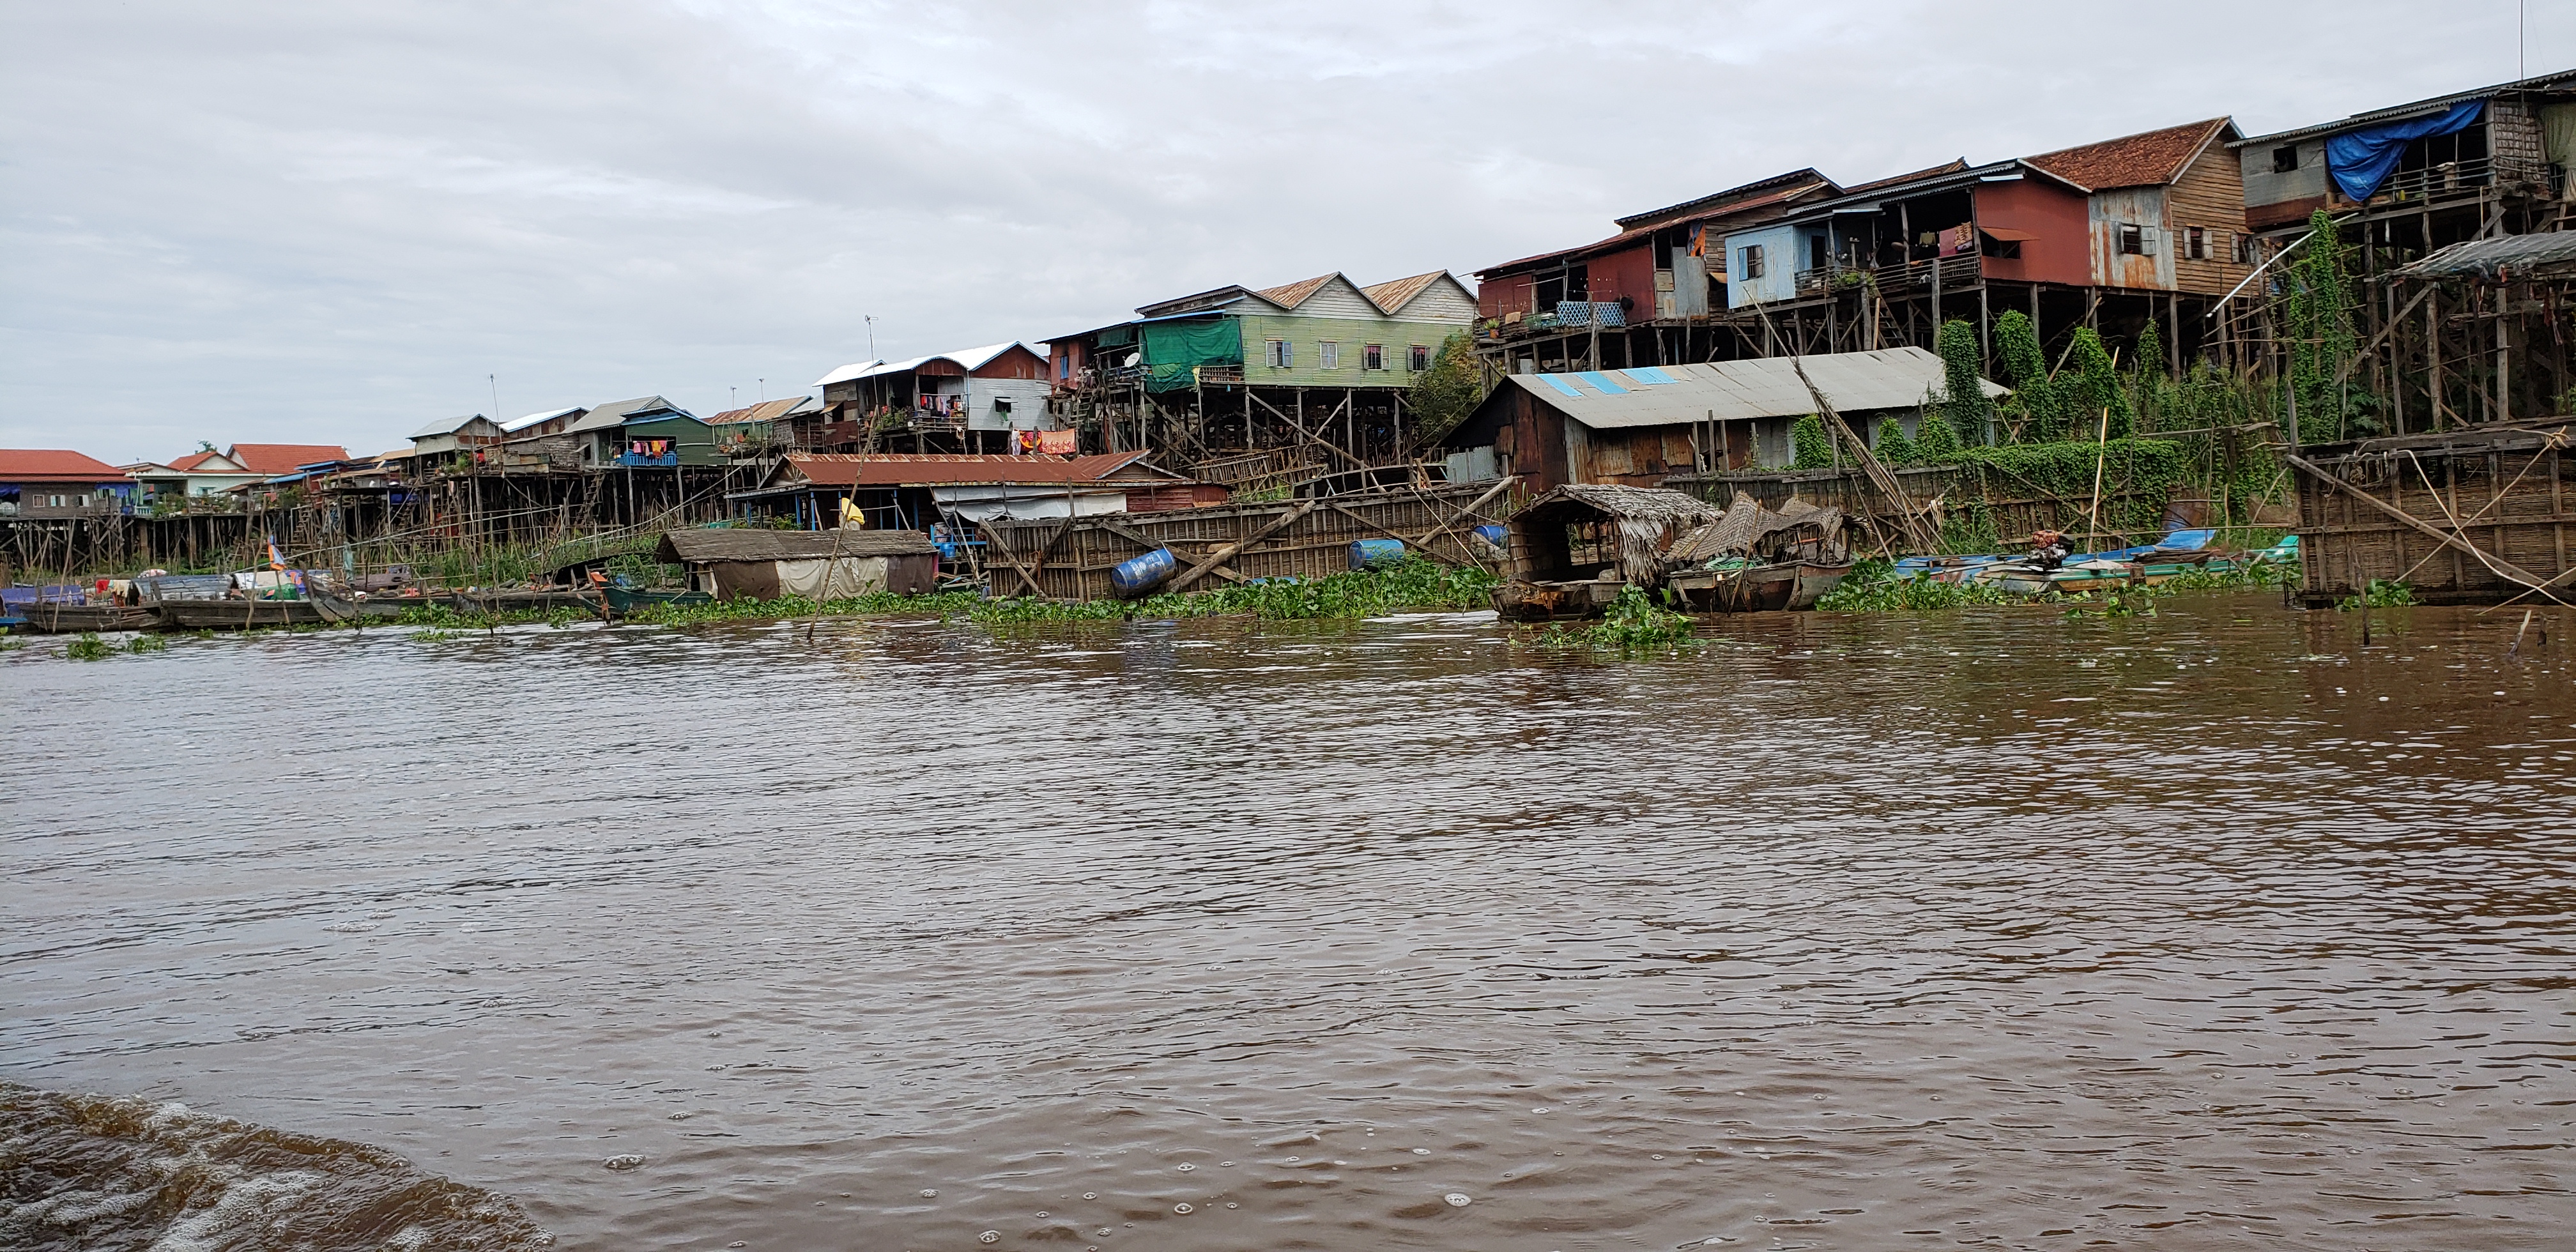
238, 614
624, 600
73, 619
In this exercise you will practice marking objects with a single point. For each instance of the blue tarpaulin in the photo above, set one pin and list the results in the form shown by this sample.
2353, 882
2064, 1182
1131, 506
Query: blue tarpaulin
2363, 159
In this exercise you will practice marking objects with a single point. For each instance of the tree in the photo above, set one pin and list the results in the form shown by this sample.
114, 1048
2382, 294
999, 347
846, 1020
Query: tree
1443, 395
1964, 403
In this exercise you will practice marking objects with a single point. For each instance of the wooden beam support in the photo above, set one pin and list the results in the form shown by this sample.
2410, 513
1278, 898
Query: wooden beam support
2509, 570
1274, 526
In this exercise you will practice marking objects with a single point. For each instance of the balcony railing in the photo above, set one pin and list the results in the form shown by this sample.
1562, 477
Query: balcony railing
2456, 178
1963, 270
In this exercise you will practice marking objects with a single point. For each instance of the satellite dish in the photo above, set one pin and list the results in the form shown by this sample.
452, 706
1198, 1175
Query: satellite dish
1135, 358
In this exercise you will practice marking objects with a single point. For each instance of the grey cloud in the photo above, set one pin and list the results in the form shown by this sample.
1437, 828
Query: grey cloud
330, 222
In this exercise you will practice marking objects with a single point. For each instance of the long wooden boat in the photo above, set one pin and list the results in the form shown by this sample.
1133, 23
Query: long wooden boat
623, 600
238, 614
73, 619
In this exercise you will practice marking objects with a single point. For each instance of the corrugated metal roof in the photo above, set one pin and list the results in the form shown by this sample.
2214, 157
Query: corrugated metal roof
2491, 258
447, 426
616, 412
970, 359
1889, 378
2561, 80
516, 425
765, 411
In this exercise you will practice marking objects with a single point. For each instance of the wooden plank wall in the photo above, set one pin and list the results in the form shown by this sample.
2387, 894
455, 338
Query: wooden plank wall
2515, 502
1071, 560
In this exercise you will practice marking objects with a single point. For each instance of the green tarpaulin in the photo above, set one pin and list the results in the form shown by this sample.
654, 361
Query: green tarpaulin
1173, 349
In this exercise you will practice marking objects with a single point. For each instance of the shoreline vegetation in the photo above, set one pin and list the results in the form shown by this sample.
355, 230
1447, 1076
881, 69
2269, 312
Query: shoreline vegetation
1633, 623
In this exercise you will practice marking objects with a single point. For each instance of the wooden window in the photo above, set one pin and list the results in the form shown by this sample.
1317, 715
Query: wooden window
1330, 353
1417, 358
2285, 159
1752, 260
1373, 356
2133, 240
1278, 353
2196, 243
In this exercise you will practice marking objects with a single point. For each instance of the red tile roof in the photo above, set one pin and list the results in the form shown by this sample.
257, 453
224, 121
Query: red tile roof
2151, 159
54, 465
282, 458
193, 460
841, 469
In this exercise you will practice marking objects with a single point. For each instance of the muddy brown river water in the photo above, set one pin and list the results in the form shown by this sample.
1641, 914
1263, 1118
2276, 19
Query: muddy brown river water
2215, 929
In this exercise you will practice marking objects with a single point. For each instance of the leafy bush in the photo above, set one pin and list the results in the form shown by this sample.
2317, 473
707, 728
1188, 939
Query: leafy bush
1873, 587
1633, 621
1893, 447
1964, 401
1815, 450
2379, 593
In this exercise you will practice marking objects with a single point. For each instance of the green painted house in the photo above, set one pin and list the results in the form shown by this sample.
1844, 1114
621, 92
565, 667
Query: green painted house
1317, 366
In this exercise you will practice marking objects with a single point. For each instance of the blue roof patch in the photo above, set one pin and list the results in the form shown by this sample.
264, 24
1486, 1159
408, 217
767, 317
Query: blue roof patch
1648, 375
1558, 382
1601, 382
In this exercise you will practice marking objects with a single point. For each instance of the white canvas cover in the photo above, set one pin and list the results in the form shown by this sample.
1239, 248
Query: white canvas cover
850, 576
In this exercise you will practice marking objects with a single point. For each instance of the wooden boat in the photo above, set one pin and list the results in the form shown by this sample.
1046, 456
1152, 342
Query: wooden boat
1751, 587
1524, 600
624, 600
238, 614
73, 619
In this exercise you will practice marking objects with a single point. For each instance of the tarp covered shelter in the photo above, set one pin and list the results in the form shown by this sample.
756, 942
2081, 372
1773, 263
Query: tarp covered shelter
742, 564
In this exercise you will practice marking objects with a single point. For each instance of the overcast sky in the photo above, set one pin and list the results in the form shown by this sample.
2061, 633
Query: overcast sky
332, 222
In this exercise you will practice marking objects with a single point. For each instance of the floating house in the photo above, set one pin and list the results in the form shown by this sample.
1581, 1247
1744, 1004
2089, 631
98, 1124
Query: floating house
2106, 234
55, 482
770, 425
643, 433
739, 564
1635, 426
1317, 368
967, 401
2425, 174
455, 434
1650, 289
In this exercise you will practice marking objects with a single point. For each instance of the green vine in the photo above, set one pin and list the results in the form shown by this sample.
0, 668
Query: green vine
1807, 438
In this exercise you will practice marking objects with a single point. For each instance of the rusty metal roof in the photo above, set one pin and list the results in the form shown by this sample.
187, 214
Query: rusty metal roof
2495, 259
1294, 294
2147, 159
284, 458
765, 411
1391, 296
893, 469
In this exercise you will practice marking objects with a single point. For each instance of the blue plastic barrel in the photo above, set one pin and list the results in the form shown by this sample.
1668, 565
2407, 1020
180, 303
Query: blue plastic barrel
1138, 575
1376, 553
1491, 534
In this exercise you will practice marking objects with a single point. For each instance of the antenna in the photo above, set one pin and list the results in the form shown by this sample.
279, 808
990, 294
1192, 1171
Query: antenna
2521, 24
871, 320
764, 391
495, 380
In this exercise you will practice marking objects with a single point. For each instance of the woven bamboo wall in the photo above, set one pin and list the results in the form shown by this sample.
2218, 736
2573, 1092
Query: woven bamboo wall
1851, 491
1072, 559
2510, 494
